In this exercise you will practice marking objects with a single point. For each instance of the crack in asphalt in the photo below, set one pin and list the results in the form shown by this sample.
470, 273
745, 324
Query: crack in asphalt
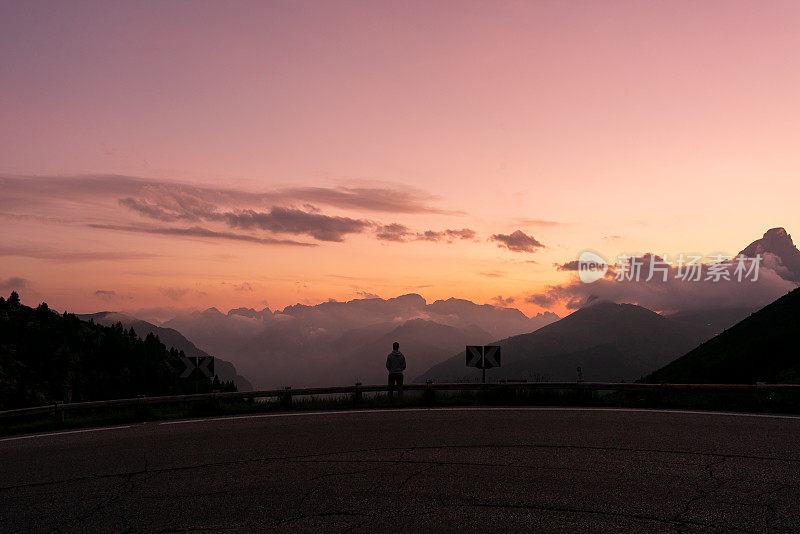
201, 529
567, 509
343, 473
482, 464
301, 502
416, 473
702, 493
704, 489
406, 449
770, 504
322, 514
125, 487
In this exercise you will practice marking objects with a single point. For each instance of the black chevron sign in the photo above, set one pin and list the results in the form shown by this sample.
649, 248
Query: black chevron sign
202, 365
483, 357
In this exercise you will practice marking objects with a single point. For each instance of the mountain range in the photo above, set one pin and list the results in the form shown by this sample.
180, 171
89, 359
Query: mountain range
345, 342
609, 342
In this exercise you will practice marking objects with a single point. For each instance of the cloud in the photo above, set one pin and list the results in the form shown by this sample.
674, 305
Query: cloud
367, 294
147, 209
294, 221
292, 210
401, 234
197, 231
391, 199
14, 283
430, 235
173, 293
446, 235
505, 302
392, 232
545, 300
492, 274
537, 222
568, 266
244, 286
153, 210
73, 256
157, 315
175, 203
665, 292
28, 190
519, 241
105, 294
165, 194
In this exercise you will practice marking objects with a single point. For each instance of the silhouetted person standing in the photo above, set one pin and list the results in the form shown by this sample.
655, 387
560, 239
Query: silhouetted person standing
396, 364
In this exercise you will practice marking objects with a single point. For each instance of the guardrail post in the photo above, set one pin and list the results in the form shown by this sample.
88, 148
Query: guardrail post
59, 413
139, 409
429, 395
286, 398
762, 397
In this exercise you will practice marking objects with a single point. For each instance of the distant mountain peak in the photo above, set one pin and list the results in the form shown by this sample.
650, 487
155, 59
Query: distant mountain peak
779, 253
602, 307
594, 301
777, 238
250, 313
108, 316
780, 232
414, 299
608, 341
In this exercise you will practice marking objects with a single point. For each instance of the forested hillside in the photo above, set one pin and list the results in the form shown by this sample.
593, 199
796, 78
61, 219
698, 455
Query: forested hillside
761, 348
47, 357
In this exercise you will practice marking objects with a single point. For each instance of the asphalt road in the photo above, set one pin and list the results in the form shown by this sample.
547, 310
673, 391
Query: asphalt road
411, 470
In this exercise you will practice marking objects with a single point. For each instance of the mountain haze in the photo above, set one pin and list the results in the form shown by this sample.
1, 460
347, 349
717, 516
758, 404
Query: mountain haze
424, 342
610, 342
341, 342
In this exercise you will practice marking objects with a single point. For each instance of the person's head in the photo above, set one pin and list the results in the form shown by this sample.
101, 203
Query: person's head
395, 345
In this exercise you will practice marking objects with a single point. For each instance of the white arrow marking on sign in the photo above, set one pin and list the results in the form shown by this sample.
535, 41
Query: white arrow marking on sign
491, 355
474, 355
204, 363
189, 367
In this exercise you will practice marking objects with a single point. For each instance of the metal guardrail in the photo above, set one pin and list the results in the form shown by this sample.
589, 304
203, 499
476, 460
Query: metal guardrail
357, 390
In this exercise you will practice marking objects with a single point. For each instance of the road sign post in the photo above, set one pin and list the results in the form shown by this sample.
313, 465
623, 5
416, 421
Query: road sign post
483, 357
199, 367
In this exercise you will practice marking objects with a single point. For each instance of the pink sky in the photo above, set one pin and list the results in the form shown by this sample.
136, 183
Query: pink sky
635, 126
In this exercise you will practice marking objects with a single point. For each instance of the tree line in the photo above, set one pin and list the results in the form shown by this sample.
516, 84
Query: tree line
46, 357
